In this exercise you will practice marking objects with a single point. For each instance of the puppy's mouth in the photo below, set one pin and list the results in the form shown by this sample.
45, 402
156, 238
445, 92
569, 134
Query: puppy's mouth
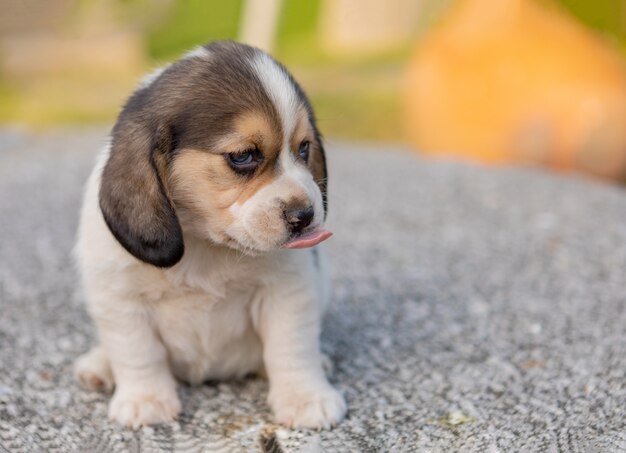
307, 239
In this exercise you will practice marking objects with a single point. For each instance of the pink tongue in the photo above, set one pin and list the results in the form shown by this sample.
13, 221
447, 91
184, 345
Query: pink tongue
308, 239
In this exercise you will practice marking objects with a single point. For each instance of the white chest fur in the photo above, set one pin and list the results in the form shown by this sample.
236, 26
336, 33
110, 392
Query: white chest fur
209, 338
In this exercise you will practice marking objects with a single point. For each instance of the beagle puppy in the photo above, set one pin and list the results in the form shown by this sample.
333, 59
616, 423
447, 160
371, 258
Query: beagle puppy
195, 241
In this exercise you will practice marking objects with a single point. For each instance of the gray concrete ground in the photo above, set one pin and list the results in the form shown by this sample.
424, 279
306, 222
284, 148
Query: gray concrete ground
474, 310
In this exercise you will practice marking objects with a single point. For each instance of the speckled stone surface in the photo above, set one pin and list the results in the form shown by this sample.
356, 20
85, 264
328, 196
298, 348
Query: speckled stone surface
475, 310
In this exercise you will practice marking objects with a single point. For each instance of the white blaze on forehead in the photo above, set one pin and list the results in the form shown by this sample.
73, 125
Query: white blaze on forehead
280, 90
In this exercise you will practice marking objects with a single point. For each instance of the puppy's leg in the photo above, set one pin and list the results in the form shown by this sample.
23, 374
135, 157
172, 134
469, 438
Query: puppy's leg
145, 390
93, 370
289, 325
327, 366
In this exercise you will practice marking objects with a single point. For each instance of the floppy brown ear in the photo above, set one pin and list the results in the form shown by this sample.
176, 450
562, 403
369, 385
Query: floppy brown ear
133, 197
318, 168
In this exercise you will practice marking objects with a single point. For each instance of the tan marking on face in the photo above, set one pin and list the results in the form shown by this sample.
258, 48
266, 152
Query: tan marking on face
250, 130
204, 186
200, 191
252, 186
317, 165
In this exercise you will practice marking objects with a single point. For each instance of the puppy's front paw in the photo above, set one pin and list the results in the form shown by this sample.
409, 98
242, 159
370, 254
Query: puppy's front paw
314, 406
135, 408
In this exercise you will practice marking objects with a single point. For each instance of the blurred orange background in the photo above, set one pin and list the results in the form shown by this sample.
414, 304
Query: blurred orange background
531, 82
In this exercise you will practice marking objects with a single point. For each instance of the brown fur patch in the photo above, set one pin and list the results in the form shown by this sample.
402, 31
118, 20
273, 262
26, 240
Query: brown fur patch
254, 129
134, 202
202, 191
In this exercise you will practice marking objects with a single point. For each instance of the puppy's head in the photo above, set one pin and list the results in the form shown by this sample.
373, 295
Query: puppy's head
221, 145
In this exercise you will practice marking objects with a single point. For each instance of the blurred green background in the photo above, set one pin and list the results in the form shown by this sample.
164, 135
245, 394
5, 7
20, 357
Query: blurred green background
75, 61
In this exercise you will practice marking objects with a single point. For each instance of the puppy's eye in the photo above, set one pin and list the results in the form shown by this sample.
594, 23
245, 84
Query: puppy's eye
246, 161
304, 150
244, 158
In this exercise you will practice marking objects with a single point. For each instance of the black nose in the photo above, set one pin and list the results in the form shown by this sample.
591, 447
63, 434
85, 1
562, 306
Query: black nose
299, 219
